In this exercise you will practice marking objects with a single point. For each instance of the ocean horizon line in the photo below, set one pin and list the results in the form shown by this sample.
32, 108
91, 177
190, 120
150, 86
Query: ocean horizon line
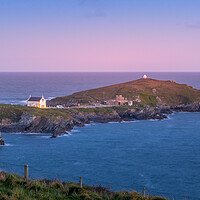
101, 72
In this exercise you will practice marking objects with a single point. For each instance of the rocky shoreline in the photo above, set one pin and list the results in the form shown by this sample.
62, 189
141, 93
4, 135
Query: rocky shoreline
1, 140
38, 124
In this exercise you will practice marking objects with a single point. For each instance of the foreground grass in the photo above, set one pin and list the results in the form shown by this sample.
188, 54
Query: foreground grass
13, 187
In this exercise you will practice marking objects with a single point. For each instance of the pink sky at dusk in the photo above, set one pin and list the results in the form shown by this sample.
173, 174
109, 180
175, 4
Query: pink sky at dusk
97, 38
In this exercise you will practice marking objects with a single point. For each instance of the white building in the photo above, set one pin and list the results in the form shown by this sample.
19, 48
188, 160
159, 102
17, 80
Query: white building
39, 102
145, 76
60, 106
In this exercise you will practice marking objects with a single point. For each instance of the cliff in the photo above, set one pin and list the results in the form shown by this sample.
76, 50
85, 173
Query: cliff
157, 98
145, 91
59, 121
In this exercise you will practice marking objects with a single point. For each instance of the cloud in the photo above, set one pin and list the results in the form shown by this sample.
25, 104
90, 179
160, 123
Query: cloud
193, 25
93, 9
84, 2
94, 14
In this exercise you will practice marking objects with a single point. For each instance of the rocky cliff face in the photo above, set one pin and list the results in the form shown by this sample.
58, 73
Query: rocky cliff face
60, 125
1, 140
38, 124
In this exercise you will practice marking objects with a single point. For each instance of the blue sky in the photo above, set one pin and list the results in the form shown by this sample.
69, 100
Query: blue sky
99, 35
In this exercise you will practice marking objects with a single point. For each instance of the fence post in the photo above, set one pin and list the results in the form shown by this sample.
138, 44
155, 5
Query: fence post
26, 172
143, 192
81, 182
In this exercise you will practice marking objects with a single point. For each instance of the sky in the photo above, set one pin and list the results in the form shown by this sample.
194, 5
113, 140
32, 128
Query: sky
99, 35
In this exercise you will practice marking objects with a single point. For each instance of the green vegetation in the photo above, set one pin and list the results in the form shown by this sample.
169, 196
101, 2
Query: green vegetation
13, 187
168, 92
13, 113
148, 99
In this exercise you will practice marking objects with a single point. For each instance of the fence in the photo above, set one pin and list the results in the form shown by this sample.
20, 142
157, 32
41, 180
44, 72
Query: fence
87, 181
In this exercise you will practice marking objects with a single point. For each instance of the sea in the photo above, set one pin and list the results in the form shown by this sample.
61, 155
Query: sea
162, 156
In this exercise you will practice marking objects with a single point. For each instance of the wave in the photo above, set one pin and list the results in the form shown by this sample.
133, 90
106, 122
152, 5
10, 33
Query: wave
31, 133
24, 101
7, 145
46, 137
64, 135
17, 133
74, 131
168, 118
140, 174
20, 133
87, 124
126, 122
153, 120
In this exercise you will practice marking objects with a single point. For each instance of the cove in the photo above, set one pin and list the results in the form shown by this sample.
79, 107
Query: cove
160, 155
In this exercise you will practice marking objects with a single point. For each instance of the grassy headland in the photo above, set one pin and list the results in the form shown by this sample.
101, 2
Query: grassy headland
14, 187
13, 113
149, 91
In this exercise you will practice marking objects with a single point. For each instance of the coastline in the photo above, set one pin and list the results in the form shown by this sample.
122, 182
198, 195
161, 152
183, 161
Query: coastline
60, 121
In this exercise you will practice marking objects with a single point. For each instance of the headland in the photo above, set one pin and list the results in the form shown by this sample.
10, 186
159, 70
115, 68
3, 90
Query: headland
135, 100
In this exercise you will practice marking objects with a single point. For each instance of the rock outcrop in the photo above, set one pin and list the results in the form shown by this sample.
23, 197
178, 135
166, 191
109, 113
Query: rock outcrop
1, 140
75, 117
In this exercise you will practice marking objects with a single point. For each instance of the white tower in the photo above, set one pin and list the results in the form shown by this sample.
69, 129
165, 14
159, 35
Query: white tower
145, 76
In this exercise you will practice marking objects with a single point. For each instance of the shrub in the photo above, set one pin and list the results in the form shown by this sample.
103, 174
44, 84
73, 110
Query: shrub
127, 196
57, 185
11, 180
75, 189
157, 198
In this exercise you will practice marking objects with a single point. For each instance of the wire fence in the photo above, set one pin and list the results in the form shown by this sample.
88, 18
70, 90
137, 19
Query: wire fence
93, 182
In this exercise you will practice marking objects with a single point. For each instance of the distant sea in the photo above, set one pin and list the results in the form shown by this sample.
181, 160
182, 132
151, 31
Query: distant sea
15, 88
163, 155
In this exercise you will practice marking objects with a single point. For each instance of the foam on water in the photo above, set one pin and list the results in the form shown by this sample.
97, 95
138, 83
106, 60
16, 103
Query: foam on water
6, 145
74, 131
87, 124
46, 137
127, 122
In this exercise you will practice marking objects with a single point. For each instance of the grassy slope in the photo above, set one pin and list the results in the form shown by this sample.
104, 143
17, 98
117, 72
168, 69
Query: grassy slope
13, 187
14, 112
169, 92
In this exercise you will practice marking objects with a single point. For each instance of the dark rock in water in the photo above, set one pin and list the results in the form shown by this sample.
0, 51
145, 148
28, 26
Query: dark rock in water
1, 141
53, 136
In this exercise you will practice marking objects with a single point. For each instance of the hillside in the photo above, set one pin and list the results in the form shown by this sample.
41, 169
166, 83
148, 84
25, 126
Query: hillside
15, 187
144, 91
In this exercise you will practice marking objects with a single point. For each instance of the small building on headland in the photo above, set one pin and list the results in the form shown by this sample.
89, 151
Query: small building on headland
145, 76
119, 101
39, 102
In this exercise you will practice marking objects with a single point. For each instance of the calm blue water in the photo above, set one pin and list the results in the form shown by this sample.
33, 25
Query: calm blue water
162, 156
